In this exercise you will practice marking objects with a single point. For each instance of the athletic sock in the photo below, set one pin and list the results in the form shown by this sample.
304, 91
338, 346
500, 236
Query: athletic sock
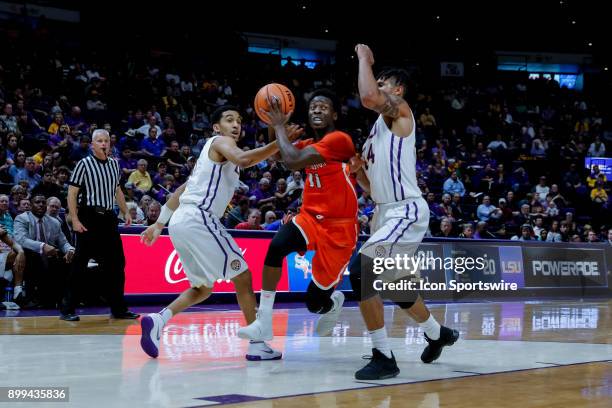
266, 302
166, 314
431, 328
380, 341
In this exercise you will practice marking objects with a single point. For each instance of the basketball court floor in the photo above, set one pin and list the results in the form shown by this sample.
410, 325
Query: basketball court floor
511, 354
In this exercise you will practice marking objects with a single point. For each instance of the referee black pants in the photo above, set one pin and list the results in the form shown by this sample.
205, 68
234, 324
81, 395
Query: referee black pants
101, 242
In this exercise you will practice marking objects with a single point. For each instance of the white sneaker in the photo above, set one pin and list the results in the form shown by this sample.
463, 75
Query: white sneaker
327, 322
151, 325
259, 330
261, 351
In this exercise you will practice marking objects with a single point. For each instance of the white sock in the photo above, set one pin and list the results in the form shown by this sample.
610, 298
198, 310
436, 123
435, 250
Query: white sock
266, 302
166, 314
17, 290
431, 328
380, 341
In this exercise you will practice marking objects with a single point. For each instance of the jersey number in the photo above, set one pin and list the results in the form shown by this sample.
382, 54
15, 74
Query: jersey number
369, 156
314, 181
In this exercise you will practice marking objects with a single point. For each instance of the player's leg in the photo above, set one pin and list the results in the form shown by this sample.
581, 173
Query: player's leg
287, 240
326, 302
200, 267
153, 323
258, 349
383, 364
436, 335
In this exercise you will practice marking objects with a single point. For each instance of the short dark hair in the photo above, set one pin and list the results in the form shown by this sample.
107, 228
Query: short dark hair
399, 75
215, 117
326, 93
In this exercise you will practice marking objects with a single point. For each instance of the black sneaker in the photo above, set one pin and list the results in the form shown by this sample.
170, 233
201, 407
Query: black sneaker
379, 368
448, 337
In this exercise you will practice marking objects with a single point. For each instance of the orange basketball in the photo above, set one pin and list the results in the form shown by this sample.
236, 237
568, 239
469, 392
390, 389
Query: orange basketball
284, 94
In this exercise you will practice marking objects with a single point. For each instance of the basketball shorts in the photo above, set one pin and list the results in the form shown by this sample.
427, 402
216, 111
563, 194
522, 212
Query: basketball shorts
333, 241
397, 229
207, 251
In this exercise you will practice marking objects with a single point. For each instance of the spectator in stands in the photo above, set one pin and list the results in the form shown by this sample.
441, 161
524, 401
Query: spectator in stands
296, 182
596, 175
498, 144
538, 225
75, 121
592, 237
524, 216
24, 206
446, 229
152, 145
29, 173
467, 231
554, 235
253, 221
18, 165
8, 121
238, 214
6, 221
609, 238
269, 219
58, 120
597, 148
453, 185
153, 211
283, 198
446, 209
54, 209
598, 194
81, 150
543, 235
482, 232
486, 210
151, 123
526, 234
47, 252
458, 213
141, 179
47, 187
542, 189
263, 194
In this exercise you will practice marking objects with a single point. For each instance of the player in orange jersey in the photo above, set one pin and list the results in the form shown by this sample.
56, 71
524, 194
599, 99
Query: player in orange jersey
327, 222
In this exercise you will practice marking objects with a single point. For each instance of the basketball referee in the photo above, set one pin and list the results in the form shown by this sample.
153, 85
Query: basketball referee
95, 183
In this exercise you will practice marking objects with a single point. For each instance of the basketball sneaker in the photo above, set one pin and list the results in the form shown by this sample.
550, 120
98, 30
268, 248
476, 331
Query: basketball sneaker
380, 367
259, 351
151, 325
259, 330
448, 337
327, 321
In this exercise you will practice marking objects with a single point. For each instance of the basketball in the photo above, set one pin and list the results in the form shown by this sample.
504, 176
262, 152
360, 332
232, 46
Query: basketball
284, 94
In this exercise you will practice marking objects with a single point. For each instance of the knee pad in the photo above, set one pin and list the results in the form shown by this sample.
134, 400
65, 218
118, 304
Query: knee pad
362, 277
315, 303
276, 254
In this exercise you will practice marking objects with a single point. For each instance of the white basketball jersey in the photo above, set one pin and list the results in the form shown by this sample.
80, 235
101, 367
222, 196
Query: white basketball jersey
211, 185
390, 164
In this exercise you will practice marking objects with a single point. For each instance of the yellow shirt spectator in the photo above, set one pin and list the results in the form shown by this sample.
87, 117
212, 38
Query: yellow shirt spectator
141, 179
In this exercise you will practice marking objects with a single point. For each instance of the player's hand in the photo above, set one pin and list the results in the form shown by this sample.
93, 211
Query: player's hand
150, 235
275, 114
128, 219
287, 218
356, 163
364, 53
294, 132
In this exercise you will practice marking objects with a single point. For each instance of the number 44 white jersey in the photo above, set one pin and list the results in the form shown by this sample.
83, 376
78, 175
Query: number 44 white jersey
390, 164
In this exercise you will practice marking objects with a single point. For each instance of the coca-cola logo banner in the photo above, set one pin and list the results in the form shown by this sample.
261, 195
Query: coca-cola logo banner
158, 269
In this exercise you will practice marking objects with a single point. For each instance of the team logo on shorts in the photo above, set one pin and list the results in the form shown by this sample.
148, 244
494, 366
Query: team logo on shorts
380, 251
235, 265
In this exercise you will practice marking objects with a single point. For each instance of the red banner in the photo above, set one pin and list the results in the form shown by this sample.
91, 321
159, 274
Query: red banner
158, 269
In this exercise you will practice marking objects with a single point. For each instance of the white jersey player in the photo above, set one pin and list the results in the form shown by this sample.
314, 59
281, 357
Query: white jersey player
207, 252
387, 169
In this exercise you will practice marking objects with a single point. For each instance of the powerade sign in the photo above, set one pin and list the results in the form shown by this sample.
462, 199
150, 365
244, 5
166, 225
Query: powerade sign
547, 267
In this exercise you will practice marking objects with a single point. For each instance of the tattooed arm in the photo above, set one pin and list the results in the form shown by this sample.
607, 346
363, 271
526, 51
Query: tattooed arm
387, 104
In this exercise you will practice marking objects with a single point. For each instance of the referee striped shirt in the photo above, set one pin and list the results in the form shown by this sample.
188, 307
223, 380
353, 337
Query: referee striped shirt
97, 180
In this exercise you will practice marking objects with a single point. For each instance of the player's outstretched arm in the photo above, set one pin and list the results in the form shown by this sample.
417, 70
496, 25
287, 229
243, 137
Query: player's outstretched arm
294, 158
388, 105
227, 147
